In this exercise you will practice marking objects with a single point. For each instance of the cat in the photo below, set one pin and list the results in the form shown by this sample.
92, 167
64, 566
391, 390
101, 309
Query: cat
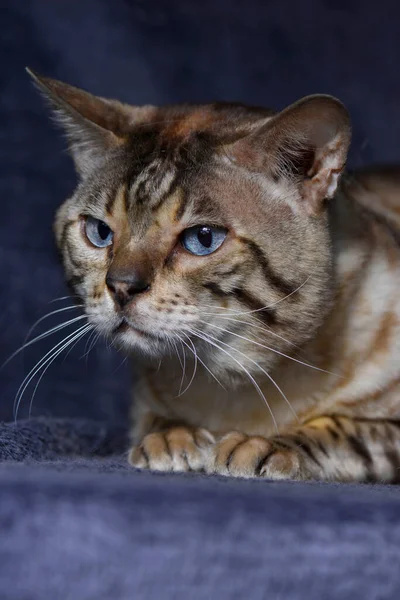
256, 288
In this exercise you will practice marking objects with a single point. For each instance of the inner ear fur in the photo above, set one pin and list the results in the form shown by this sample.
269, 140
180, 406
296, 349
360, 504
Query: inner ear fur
307, 142
93, 125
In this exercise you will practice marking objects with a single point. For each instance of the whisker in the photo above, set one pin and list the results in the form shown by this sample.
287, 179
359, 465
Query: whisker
272, 350
42, 359
234, 310
194, 368
255, 310
92, 345
54, 312
255, 326
197, 358
263, 370
271, 379
79, 337
72, 347
175, 346
69, 297
41, 337
88, 341
94, 341
120, 365
184, 367
38, 366
208, 339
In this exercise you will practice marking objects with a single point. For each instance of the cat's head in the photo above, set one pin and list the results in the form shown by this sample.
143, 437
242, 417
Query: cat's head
201, 225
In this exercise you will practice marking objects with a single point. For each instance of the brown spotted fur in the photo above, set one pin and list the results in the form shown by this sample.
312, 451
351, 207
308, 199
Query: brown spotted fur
295, 319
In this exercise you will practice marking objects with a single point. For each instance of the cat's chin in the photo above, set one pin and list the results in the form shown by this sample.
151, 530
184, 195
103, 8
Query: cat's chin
130, 338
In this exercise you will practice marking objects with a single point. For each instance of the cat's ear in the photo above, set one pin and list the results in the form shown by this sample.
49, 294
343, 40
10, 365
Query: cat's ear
306, 143
93, 125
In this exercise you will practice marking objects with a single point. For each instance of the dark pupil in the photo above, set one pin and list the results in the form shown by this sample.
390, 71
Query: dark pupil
103, 230
205, 237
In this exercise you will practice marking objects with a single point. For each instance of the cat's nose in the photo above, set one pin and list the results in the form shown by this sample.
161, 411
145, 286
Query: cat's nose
126, 285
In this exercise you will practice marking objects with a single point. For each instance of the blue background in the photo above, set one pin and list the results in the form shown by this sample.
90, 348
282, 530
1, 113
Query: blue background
262, 52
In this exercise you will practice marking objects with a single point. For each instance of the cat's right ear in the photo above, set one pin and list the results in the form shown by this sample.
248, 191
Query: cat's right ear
93, 125
306, 144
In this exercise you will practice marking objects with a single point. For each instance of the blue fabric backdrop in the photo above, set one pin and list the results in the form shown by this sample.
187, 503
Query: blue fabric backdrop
73, 524
263, 52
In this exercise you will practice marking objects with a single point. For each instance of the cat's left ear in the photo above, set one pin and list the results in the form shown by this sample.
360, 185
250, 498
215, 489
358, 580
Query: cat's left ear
307, 144
93, 125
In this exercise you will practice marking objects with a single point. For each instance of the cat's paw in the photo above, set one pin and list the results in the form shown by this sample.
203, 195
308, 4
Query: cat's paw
239, 455
175, 449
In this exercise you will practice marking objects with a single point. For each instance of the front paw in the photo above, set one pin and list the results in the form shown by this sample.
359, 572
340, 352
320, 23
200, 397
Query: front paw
240, 455
175, 449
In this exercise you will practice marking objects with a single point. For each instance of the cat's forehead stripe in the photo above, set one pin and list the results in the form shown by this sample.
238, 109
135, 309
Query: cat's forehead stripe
118, 204
153, 183
115, 195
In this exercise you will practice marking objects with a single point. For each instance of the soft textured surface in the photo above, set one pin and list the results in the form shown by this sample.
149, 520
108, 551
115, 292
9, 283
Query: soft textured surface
52, 439
75, 522
89, 528
84, 525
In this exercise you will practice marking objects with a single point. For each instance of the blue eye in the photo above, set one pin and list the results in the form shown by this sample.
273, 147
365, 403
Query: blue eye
98, 232
202, 240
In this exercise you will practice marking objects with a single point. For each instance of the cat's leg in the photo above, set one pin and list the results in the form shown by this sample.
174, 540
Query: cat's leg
172, 447
332, 448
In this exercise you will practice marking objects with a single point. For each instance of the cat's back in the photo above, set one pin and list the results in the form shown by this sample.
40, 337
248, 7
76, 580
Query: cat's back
378, 190
366, 326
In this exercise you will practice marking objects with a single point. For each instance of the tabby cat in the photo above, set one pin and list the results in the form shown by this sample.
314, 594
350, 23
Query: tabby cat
257, 293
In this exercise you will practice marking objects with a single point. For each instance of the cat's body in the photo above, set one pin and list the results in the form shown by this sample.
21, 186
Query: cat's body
267, 315
358, 344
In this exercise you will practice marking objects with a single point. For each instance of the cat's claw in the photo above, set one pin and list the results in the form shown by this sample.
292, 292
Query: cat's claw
175, 449
239, 455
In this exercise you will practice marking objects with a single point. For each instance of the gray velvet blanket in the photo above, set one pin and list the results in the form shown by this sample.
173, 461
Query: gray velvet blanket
76, 523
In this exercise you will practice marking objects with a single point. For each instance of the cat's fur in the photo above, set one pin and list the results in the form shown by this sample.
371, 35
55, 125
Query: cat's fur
294, 320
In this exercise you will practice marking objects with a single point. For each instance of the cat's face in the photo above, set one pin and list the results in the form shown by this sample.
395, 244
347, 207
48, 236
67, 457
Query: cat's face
202, 227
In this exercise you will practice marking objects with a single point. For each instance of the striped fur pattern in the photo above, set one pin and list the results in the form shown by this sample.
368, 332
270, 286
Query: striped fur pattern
278, 354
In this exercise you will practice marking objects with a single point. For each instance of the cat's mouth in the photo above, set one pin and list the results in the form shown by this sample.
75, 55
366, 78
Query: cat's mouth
126, 326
